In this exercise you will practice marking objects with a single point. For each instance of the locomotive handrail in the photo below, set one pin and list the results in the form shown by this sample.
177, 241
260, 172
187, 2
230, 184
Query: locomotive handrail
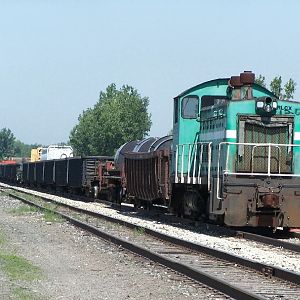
226, 171
192, 177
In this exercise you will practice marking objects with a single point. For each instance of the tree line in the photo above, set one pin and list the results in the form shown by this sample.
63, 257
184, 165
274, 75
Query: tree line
281, 91
119, 115
12, 147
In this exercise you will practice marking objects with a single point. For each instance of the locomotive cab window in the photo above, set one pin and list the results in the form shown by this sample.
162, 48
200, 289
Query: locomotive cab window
190, 107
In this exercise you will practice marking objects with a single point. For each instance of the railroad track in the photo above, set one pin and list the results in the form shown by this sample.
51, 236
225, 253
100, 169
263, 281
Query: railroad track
237, 277
295, 247
273, 240
256, 237
206, 229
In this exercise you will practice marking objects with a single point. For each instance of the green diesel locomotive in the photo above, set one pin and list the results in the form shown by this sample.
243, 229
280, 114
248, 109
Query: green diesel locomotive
236, 154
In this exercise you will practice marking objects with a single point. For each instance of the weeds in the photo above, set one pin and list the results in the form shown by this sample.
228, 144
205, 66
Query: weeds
23, 209
140, 230
2, 238
50, 216
18, 268
22, 293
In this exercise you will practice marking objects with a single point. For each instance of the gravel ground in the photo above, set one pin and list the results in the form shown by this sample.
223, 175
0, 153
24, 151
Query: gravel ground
76, 265
248, 249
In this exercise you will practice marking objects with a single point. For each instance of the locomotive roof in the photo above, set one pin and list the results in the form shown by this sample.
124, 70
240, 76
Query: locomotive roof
223, 81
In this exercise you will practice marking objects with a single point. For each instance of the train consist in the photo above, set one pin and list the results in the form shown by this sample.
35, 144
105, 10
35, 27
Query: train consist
234, 158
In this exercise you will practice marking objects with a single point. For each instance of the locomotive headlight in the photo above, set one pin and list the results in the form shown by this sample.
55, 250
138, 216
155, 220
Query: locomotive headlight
260, 104
266, 105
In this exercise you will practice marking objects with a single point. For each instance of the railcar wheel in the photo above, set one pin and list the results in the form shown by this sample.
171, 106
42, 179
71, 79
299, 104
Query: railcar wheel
137, 203
193, 204
87, 192
95, 192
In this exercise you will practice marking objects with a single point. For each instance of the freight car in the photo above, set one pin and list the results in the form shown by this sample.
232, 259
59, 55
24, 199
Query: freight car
145, 171
10, 171
73, 174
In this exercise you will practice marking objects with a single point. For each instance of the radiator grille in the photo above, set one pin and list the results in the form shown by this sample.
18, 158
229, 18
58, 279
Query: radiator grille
255, 158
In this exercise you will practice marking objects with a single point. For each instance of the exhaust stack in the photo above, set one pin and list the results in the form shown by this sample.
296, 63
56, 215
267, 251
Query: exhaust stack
242, 85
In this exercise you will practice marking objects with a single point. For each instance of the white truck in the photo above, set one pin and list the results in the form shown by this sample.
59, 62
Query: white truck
56, 152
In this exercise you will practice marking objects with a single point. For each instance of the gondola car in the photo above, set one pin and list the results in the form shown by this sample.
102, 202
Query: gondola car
73, 174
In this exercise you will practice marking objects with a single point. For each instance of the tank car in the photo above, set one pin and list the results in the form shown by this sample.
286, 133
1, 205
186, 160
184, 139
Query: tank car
236, 154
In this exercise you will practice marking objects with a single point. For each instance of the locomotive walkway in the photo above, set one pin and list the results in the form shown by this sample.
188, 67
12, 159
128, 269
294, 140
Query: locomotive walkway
234, 276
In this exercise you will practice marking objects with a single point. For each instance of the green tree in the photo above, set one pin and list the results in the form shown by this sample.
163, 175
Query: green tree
261, 80
23, 150
82, 136
276, 86
120, 115
7, 140
289, 89
285, 93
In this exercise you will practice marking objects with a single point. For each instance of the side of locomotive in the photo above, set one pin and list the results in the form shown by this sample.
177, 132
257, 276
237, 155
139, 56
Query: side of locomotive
236, 154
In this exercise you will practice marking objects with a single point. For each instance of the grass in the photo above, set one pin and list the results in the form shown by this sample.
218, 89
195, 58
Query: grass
18, 268
50, 216
24, 195
23, 209
2, 238
22, 293
140, 230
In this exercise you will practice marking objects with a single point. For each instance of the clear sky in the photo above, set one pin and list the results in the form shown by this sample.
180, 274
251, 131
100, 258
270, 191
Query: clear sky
57, 55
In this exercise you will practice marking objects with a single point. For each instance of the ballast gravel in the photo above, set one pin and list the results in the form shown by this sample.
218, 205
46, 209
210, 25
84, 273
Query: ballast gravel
248, 249
77, 265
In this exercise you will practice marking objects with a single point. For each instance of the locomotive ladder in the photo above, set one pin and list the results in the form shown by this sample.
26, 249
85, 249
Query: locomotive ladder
189, 162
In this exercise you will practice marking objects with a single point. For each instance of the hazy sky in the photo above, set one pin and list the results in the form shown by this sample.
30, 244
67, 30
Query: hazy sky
56, 56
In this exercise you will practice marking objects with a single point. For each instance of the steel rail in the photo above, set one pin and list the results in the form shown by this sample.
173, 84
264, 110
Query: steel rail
268, 240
